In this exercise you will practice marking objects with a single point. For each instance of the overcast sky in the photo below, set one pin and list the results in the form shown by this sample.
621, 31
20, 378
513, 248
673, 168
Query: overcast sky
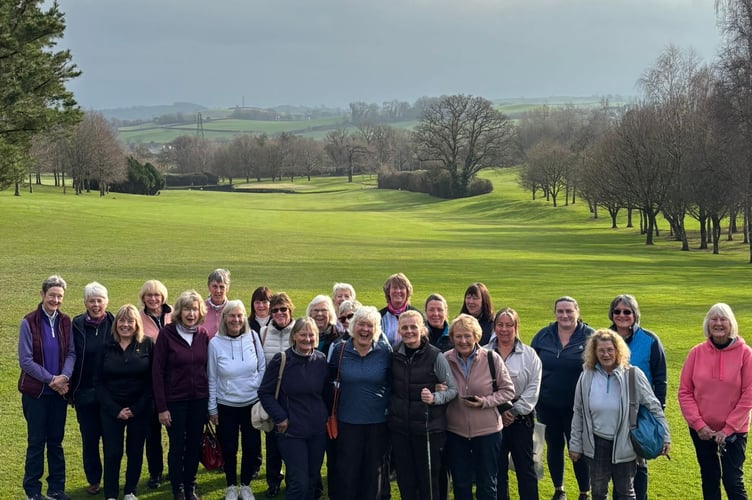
223, 53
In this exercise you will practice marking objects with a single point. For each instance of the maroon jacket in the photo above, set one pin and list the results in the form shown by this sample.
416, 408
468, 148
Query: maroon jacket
178, 369
32, 380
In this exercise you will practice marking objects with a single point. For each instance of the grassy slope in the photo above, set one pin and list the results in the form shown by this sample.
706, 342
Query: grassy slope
527, 252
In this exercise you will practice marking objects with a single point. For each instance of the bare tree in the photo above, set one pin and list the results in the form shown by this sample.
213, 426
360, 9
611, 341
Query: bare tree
465, 135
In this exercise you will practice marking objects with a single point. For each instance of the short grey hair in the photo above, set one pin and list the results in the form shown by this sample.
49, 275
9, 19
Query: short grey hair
232, 304
220, 276
53, 281
95, 289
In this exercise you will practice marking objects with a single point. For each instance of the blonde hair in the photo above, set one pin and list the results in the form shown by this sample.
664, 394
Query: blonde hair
186, 299
466, 322
151, 286
412, 313
590, 356
300, 324
128, 311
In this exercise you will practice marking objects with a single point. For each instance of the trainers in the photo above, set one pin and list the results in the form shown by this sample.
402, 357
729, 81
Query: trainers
246, 493
130, 496
58, 495
35, 496
231, 493
559, 495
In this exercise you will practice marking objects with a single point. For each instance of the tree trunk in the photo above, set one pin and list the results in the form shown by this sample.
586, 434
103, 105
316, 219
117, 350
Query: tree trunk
629, 217
703, 232
716, 232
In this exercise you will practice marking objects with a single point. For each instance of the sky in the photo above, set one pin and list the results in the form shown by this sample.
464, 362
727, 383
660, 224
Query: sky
224, 53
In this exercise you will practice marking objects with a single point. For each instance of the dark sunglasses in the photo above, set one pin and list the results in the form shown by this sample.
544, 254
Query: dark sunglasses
347, 317
276, 310
625, 312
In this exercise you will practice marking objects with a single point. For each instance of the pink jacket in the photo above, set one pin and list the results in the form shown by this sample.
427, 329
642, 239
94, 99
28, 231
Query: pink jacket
715, 388
471, 422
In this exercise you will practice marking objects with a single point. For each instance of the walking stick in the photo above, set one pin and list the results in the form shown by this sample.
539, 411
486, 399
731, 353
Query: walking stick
428, 454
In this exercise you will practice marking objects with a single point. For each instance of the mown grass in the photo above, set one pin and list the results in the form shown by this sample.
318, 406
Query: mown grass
527, 252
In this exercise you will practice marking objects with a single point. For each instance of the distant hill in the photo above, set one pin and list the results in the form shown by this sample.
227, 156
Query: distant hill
147, 113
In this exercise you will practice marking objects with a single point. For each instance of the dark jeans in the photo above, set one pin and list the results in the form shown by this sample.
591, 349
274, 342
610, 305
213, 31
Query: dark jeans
113, 432
517, 439
45, 426
558, 428
90, 426
332, 481
360, 456
188, 419
273, 461
411, 461
602, 471
475, 457
640, 481
154, 451
726, 466
303, 458
235, 422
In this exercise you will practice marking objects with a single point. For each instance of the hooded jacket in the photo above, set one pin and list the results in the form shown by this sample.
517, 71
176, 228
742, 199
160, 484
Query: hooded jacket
235, 369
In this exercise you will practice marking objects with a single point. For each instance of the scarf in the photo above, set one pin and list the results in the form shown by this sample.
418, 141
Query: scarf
399, 311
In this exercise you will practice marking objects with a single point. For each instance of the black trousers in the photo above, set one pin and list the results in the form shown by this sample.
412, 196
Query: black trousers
188, 419
234, 423
154, 450
134, 431
517, 439
411, 461
360, 457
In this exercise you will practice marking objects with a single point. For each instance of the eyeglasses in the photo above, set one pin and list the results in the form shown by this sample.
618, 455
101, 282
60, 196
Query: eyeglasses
276, 310
625, 312
346, 317
319, 311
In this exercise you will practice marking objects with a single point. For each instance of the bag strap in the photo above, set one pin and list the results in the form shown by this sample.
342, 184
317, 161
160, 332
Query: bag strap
279, 376
632, 398
336, 387
262, 333
492, 369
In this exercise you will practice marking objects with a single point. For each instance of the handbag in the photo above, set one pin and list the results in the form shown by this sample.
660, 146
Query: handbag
331, 423
645, 431
260, 418
211, 452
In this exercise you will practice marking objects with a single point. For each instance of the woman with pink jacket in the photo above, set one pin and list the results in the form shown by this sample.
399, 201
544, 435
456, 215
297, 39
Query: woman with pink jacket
473, 442
715, 396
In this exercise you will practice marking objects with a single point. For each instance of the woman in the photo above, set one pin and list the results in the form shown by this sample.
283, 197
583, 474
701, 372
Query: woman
473, 422
340, 293
436, 322
276, 338
477, 303
345, 315
321, 310
524, 367
155, 314
560, 346
91, 331
218, 284
362, 365
235, 368
124, 390
397, 291
600, 426
646, 353
260, 315
299, 412
417, 411
46, 356
181, 389
715, 396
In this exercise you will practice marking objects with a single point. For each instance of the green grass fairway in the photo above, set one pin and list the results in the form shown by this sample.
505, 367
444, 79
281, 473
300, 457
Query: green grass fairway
526, 252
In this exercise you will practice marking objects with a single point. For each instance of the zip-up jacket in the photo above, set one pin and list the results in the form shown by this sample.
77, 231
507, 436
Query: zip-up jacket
646, 352
88, 341
275, 340
151, 328
235, 369
179, 369
471, 422
561, 365
524, 367
123, 378
34, 376
715, 387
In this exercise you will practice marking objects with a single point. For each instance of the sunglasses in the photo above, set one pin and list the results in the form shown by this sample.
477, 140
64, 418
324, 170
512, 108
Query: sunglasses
625, 312
279, 310
347, 317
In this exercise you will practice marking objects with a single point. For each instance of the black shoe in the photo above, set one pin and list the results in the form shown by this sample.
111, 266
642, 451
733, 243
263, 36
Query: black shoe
273, 491
559, 495
58, 495
35, 496
583, 496
154, 481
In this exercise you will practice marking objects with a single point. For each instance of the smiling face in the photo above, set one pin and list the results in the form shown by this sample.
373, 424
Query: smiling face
234, 322
342, 295
474, 304
218, 292
261, 308
362, 333
52, 298
397, 295
464, 341
153, 301
281, 315
623, 317
411, 328
436, 313
306, 340
96, 306
320, 314
126, 327
567, 315
189, 315
506, 329
605, 352
719, 328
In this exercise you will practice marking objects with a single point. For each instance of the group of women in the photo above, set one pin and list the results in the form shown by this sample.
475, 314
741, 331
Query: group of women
414, 394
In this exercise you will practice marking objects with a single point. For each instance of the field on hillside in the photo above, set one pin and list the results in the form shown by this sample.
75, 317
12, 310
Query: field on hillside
526, 252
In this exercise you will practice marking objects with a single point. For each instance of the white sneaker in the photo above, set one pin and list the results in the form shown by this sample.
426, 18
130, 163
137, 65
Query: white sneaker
246, 493
130, 496
231, 493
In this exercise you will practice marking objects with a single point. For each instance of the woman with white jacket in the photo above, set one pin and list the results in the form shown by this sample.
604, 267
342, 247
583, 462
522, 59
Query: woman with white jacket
600, 426
235, 368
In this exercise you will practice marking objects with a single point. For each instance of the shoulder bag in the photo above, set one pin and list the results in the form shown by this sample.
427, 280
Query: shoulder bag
645, 431
260, 419
331, 422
